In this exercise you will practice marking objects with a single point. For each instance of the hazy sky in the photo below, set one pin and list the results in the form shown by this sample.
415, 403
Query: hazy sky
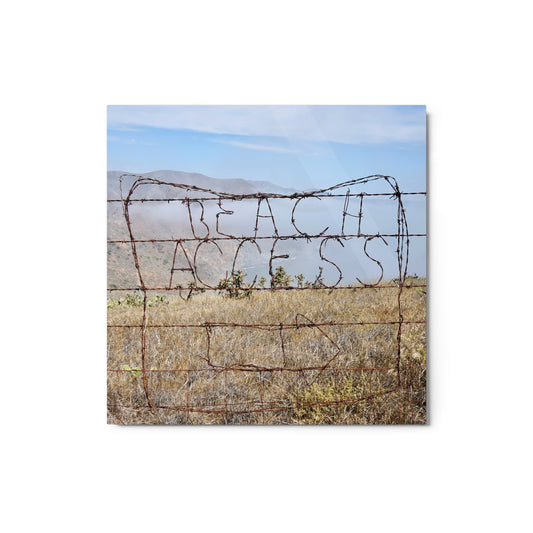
303, 147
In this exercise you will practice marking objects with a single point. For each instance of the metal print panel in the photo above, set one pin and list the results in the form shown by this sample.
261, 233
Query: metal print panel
237, 301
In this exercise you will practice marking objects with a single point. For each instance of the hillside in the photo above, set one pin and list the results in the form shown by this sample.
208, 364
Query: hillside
235, 186
162, 220
329, 257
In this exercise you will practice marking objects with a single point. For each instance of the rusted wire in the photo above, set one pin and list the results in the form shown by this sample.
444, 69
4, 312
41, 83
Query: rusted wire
279, 237
268, 327
264, 212
269, 369
263, 195
277, 288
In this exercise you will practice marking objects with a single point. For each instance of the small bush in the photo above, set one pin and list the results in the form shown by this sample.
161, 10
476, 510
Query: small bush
130, 300
280, 278
234, 286
329, 402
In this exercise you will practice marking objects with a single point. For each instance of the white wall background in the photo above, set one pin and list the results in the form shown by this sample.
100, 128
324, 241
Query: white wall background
64, 468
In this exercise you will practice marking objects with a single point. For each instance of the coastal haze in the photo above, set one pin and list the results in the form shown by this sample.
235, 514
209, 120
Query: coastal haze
170, 220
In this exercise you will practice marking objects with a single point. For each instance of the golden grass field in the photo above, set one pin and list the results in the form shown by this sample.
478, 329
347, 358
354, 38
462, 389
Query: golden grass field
242, 382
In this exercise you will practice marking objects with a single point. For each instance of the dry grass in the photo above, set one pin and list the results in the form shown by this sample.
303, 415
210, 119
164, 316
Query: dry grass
365, 365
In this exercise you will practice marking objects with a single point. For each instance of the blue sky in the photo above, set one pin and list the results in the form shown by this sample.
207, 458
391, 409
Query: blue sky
303, 147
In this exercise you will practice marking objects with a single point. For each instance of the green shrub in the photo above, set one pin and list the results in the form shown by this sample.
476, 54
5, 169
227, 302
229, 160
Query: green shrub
130, 300
234, 286
134, 372
280, 278
300, 279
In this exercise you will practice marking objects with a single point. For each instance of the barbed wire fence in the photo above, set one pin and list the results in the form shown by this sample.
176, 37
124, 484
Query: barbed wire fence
225, 405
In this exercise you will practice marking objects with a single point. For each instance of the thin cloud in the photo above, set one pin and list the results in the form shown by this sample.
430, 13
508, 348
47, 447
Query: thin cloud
124, 128
123, 140
261, 147
341, 124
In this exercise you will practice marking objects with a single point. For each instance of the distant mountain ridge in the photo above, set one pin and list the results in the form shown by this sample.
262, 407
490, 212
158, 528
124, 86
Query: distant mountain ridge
235, 186
159, 221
